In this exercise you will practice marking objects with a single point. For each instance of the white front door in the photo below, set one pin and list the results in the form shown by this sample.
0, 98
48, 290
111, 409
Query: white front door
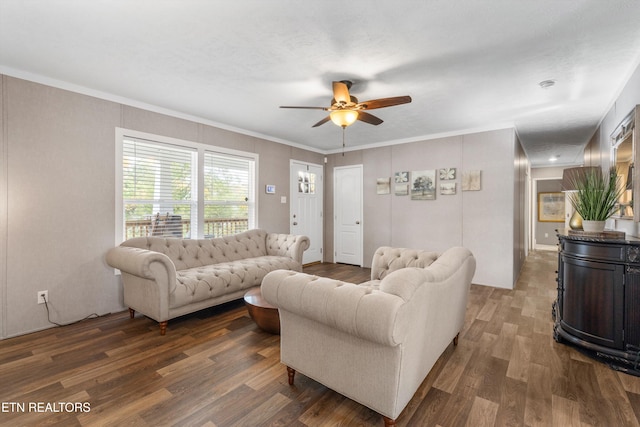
306, 207
347, 185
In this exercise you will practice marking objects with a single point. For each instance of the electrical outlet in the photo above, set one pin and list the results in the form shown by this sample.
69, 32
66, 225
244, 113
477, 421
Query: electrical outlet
43, 296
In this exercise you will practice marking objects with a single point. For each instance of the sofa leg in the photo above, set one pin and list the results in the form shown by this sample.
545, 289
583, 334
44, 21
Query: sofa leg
163, 327
291, 373
455, 339
132, 313
388, 422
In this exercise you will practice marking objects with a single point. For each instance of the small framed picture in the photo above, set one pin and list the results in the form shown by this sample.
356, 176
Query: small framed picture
447, 174
383, 185
447, 188
401, 177
551, 207
401, 189
270, 189
471, 181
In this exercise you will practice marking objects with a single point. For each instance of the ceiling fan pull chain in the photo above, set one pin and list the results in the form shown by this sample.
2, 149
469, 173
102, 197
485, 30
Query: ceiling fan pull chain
343, 129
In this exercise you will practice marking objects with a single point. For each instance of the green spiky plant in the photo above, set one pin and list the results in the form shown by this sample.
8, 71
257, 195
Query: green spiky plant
597, 194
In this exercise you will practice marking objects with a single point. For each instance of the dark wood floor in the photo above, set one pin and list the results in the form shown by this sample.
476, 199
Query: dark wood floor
216, 368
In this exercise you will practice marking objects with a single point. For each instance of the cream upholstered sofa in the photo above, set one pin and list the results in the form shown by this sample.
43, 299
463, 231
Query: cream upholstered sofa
377, 341
164, 278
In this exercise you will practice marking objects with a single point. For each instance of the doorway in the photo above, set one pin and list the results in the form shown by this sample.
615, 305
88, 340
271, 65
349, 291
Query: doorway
305, 209
543, 233
347, 204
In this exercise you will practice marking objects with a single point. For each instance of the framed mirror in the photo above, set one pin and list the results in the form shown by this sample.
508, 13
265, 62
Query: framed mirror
623, 157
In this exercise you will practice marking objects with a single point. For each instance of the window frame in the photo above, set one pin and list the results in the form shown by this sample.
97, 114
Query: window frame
200, 148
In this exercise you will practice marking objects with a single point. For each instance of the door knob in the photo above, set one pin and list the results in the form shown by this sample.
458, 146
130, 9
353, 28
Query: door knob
295, 223
358, 222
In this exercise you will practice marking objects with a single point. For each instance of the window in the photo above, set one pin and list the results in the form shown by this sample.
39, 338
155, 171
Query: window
226, 194
176, 188
306, 182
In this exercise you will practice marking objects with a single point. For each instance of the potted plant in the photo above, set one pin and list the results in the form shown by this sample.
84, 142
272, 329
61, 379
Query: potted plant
596, 197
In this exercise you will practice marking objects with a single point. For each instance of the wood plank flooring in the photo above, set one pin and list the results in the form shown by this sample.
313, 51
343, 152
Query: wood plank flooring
216, 368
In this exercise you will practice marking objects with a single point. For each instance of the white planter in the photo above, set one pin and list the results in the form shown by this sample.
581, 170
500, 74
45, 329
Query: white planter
593, 226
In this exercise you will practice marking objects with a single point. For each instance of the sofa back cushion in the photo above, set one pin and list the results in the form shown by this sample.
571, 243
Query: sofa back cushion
189, 253
446, 268
386, 260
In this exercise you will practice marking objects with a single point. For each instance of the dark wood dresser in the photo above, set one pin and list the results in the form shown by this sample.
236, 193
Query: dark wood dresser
598, 304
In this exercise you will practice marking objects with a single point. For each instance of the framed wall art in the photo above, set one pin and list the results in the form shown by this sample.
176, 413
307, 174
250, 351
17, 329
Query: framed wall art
447, 188
551, 207
447, 174
383, 186
401, 183
423, 185
471, 181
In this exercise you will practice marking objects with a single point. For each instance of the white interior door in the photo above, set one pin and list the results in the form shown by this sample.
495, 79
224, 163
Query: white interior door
347, 204
306, 207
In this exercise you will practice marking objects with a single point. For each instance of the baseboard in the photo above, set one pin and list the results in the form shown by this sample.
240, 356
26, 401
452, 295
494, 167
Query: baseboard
546, 247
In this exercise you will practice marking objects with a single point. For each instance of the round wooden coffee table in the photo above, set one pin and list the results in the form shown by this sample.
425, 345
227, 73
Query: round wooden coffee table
264, 314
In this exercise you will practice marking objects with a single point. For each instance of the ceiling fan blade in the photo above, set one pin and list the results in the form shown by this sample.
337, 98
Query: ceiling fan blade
341, 92
321, 122
305, 108
385, 102
369, 118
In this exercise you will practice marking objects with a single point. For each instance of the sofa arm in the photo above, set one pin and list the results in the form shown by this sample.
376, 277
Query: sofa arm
353, 309
143, 263
289, 245
407, 281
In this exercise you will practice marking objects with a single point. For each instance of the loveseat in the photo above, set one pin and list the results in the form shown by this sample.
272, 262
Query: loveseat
164, 278
375, 342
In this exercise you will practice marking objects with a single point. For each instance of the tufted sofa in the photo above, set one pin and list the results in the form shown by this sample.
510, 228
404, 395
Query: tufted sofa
164, 278
375, 342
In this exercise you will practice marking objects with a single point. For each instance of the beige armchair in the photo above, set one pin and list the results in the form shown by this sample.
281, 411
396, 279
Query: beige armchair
375, 342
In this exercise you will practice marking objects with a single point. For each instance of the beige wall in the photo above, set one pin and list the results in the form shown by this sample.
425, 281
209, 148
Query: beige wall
60, 205
483, 220
57, 197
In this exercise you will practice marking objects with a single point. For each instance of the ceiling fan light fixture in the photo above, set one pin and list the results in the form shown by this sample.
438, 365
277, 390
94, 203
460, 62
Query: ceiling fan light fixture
343, 118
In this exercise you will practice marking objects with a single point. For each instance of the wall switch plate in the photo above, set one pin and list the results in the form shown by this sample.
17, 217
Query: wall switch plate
283, 199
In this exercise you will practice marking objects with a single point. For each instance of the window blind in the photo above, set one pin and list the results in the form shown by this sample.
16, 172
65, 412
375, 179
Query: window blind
159, 189
178, 188
228, 189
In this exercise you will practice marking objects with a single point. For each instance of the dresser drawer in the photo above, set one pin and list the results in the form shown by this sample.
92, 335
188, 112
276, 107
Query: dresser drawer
594, 250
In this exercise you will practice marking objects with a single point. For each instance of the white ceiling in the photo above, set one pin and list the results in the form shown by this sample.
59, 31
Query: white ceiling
468, 65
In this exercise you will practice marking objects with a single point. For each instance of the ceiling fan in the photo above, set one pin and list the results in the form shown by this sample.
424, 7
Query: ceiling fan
345, 108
